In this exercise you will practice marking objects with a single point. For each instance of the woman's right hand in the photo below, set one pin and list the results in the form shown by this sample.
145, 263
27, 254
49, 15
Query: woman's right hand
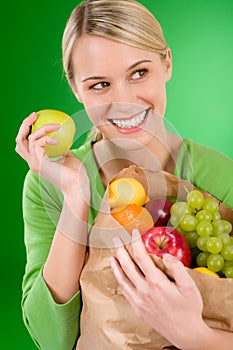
31, 146
67, 174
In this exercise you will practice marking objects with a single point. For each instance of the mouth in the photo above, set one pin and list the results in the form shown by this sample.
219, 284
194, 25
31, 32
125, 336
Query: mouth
132, 124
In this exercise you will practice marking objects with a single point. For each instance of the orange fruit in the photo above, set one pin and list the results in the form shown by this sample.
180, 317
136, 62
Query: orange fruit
133, 216
207, 271
125, 191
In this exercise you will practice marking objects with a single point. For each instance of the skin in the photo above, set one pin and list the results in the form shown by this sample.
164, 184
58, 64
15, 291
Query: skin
136, 283
123, 91
66, 256
112, 87
126, 87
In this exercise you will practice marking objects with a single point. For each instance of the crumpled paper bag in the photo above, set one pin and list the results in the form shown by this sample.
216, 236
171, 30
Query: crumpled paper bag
107, 320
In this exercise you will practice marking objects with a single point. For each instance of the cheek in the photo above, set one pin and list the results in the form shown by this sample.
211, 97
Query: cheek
157, 97
96, 113
92, 101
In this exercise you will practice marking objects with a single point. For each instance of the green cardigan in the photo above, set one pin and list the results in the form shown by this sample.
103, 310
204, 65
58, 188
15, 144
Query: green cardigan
56, 326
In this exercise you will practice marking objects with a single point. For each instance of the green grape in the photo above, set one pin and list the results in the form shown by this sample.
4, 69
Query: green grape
188, 223
201, 243
231, 240
214, 245
218, 227
225, 265
215, 262
228, 226
195, 199
227, 252
210, 204
174, 220
204, 228
191, 238
179, 209
216, 216
204, 215
201, 259
225, 238
229, 272
183, 232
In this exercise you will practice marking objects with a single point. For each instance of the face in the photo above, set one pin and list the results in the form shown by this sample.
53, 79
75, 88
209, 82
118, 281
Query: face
121, 87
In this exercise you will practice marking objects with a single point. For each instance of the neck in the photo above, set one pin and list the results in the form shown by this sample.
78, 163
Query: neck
157, 155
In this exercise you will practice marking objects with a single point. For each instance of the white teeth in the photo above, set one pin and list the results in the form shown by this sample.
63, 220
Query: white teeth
130, 123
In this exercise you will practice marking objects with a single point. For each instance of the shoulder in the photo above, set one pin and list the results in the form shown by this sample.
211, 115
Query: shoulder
83, 150
206, 157
208, 169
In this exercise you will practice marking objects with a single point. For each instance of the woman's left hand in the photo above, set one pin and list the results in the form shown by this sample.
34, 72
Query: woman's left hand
174, 309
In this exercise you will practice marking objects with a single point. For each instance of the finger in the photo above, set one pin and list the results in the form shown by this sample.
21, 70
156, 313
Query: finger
125, 286
22, 147
144, 261
23, 150
26, 148
43, 130
38, 140
25, 127
36, 147
181, 276
37, 156
128, 266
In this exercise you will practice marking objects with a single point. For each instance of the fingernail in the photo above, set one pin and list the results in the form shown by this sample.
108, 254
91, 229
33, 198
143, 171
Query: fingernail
53, 141
116, 242
56, 125
168, 257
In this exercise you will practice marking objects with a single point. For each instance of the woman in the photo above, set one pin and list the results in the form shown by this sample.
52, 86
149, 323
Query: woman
117, 64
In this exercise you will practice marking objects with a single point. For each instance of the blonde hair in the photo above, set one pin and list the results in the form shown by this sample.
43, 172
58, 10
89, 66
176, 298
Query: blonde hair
125, 21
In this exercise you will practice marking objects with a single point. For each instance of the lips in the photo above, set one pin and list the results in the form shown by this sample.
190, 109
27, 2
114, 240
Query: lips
131, 124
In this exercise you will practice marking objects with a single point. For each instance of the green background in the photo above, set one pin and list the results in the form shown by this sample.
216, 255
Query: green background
200, 104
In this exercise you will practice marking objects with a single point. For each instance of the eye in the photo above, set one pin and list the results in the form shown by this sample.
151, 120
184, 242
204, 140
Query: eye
99, 86
139, 74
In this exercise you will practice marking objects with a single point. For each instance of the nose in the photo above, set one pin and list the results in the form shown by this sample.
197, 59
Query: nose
124, 99
123, 92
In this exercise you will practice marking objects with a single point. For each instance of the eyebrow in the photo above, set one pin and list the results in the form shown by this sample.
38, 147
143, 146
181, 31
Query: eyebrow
137, 63
131, 67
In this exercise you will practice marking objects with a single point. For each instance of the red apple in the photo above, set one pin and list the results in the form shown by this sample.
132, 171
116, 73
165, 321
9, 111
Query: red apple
166, 239
159, 208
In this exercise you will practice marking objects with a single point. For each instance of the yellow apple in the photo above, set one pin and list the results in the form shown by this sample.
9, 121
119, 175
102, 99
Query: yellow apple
65, 134
126, 190
207, 271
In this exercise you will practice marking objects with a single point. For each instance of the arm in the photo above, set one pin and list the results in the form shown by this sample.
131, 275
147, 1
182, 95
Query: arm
65, 260
55, 217
51, 307
215, 339
164, 305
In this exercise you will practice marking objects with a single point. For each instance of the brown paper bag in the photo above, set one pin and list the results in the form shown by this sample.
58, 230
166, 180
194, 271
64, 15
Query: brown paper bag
107, 320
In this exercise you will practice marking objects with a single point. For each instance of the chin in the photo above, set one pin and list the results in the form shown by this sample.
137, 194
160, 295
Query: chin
133, 143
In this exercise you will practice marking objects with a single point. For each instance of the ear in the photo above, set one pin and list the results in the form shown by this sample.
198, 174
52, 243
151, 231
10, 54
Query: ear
168, 65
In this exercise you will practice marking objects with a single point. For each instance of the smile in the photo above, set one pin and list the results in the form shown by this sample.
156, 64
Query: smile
133, 122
